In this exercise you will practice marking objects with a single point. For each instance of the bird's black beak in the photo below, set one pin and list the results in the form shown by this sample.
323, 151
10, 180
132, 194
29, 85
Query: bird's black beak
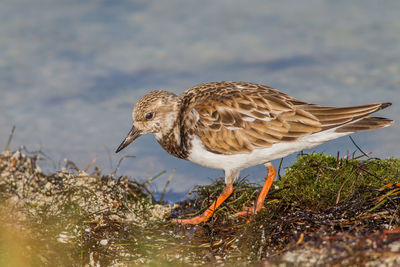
132, 135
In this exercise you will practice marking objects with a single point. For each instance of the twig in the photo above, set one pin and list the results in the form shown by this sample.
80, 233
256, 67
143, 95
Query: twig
360, 156
354, 143
337, 159
10, 138
279, 169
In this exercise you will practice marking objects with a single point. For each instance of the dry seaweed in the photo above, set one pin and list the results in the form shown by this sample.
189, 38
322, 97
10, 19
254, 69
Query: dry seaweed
324, 211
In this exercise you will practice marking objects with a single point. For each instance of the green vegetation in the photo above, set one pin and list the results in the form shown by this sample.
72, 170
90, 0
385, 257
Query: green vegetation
325, 210
319, 181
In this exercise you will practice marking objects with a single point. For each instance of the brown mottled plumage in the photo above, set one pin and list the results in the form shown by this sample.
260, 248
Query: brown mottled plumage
234, 120
234, 125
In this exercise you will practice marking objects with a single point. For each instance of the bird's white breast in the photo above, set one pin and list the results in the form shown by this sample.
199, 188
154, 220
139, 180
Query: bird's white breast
200, 155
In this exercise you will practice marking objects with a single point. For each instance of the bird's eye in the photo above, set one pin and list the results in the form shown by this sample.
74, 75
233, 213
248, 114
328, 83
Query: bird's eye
149, 115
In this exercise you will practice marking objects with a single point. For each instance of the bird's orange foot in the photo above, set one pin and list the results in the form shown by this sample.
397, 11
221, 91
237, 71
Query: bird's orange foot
193, 221
259, 205
210, 211
248, 211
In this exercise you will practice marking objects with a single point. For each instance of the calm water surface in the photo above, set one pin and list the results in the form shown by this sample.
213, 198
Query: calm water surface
70, 71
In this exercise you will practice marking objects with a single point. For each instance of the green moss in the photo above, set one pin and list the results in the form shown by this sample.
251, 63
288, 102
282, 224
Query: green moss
319, 181
76, 219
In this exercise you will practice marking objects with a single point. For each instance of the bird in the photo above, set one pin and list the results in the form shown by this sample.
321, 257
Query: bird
235, 125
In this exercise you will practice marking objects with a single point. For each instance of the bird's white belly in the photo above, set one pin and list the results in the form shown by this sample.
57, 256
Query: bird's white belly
200, 155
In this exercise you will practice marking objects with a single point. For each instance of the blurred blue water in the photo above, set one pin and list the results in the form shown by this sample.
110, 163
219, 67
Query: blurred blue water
70, 71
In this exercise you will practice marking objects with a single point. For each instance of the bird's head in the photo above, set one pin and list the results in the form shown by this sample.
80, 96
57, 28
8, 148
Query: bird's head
155, 113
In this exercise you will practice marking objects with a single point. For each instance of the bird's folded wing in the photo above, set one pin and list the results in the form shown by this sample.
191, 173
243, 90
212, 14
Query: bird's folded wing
243, 120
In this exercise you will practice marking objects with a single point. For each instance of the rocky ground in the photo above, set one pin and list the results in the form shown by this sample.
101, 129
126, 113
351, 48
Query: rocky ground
325, 211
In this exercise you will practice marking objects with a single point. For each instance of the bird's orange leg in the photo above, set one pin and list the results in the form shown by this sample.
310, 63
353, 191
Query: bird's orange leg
209, 212
264, 191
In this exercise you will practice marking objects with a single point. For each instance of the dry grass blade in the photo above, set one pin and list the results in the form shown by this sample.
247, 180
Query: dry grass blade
113, 173
166, 185
10, 138
149, 181
70, 165
91, 163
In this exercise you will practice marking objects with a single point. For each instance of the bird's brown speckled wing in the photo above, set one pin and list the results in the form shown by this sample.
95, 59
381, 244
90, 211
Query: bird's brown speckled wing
237, 117
331, 117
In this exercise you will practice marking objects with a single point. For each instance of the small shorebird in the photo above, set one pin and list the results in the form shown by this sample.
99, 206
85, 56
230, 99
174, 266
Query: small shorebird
235, 125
